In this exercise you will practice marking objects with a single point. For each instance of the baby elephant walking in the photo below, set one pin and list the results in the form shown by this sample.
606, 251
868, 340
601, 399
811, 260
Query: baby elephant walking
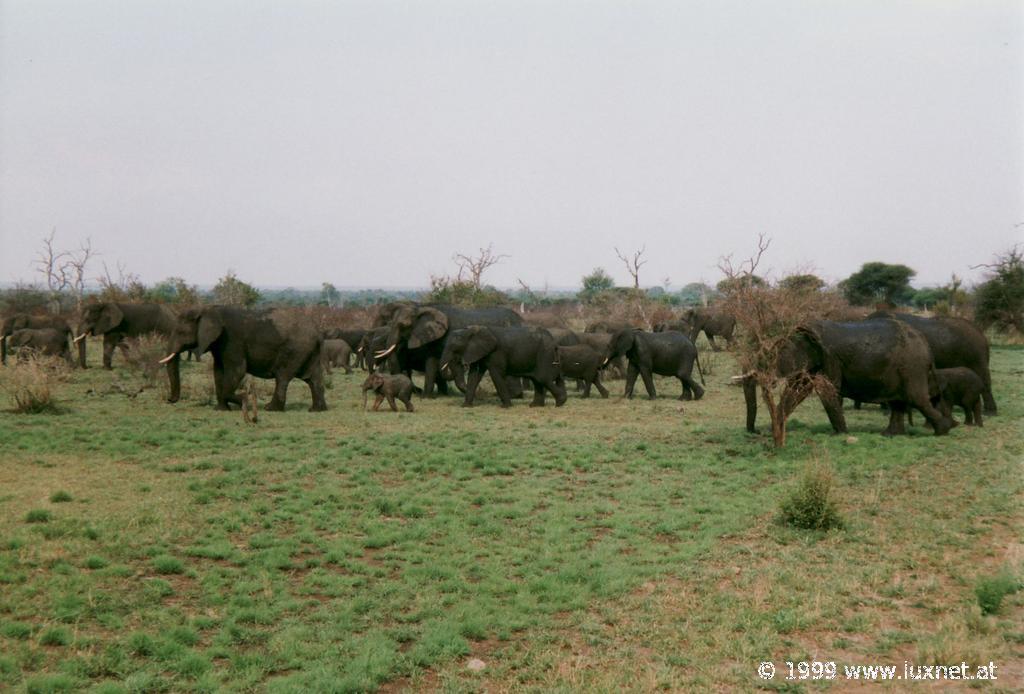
390, 387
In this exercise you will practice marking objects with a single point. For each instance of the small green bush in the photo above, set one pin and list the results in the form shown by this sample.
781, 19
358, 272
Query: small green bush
811, 504
95, 562
166, 564
16, 630
60, 497
55, 636
38, 515
991, 591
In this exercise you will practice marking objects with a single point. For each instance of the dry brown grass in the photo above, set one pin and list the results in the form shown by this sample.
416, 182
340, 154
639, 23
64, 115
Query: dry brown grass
30, 382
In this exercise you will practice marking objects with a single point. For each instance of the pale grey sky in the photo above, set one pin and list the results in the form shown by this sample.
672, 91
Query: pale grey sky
362, 143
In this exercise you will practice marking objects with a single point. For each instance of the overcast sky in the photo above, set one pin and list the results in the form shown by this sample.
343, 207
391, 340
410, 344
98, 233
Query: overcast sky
362, 143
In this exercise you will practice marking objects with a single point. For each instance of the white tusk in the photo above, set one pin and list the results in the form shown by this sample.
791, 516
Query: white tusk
606, 361
170, 356
443, 365
389, 350
80, 338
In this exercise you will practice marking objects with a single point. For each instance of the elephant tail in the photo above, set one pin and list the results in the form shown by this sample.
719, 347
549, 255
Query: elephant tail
699, 370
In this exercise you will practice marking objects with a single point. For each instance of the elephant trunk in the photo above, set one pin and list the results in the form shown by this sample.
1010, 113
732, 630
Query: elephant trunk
750, 395
365, 393
174, 377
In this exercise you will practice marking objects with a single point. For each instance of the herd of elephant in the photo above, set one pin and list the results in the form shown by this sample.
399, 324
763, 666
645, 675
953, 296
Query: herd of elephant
902, 361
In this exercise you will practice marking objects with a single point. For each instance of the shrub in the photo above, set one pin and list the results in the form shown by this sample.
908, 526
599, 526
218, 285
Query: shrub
166, 564
60, 497
30, 383
811, 504
55, 636
38, 515
991, 591
143, 357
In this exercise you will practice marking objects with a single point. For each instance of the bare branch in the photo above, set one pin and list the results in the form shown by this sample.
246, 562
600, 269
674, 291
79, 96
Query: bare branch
633, 265
475, 266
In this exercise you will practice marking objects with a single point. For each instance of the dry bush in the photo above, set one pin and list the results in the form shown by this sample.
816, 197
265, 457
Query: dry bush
30, 382
709, 358
143, 355
326, 318
767, 316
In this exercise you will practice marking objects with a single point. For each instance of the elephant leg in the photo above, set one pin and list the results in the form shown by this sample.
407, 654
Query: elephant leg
472, 383
109, 343
3, 350
645, 373
557, 388
430, 376
538, 394
896, 412
277, 402
501, 384
631, 373
977, 412
990, 402
714, 345
316, 391
586, 386
376, 403
513, 386
597, 383
442, 385
219, 380
81, 353
690, 386
391, 402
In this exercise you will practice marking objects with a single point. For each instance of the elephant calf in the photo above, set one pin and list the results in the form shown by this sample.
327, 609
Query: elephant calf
961, 387
389, 386
582, 362
47, 341
336, 352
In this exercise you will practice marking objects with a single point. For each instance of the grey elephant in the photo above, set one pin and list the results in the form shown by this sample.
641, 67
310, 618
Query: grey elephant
666, 354
353, 337
336, 353
713, 322
46, 341
878, 360
116, 321
390, 386
420, 332
519, 352
27, 321
954, 342
584, 363
277, 344
961, 387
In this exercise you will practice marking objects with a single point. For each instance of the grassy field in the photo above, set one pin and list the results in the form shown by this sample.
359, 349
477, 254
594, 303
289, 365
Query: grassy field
601, 546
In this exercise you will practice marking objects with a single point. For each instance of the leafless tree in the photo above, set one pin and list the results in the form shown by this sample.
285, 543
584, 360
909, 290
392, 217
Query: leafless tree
472, 268
633, 264
64, 271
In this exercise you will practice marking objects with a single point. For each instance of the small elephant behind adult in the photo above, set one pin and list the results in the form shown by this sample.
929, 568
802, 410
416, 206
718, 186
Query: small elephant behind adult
336, 353
46, 341
23, 321
961, 387
584, 363
390, 386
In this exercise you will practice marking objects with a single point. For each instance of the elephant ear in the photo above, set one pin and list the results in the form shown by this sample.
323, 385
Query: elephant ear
209, 329
110, 317
481, 343
430, 325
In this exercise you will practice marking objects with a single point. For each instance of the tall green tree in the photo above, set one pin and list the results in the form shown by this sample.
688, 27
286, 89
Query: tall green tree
594, 284
329, 295
234, 292
999, 301
878, 282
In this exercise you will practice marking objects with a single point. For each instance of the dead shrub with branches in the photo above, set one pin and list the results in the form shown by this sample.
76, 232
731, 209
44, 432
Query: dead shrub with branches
31, 381
142, 355
768, 315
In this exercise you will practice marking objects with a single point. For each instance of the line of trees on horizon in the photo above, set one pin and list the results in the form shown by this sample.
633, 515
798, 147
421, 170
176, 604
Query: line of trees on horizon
997, 301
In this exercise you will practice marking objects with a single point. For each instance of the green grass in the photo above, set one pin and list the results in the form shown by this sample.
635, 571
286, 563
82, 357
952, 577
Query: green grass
605, 545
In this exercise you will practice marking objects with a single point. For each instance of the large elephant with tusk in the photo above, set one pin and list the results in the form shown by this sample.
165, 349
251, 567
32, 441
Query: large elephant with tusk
116, 321
421, 330
277, 344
